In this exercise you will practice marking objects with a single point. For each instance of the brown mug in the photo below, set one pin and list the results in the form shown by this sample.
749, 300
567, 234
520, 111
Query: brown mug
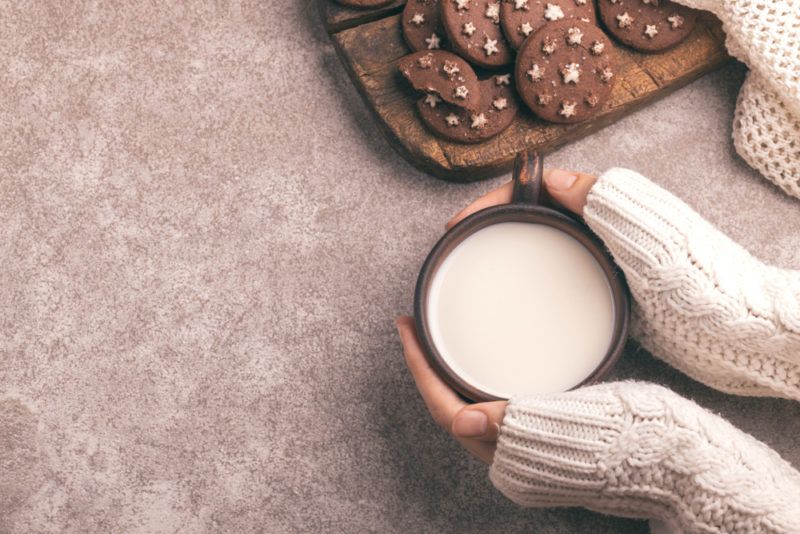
526, 207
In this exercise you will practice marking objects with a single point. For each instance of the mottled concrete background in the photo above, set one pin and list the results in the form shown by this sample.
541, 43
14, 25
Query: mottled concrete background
204, 239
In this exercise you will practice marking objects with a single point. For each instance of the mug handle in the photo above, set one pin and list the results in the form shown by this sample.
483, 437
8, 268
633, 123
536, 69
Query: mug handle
527, 176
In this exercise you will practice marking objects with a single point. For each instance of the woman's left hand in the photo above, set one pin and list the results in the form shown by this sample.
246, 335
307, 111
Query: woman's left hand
475, 426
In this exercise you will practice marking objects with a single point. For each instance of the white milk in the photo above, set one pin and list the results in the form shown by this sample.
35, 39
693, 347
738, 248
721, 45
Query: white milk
521, 308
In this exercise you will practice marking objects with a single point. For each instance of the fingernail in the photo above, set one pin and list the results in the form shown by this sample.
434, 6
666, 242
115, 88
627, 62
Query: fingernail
470, 424
559, 180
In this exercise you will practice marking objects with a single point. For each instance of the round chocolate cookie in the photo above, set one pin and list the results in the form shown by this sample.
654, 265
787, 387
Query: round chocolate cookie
521, 18
647, 25
565, 71
442, 74
422, 25
473, 30
365, 3
497, 111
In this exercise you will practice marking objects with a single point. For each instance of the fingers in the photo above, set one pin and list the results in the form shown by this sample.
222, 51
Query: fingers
501, 195
479, 421
568, 188
442, 402
482, 450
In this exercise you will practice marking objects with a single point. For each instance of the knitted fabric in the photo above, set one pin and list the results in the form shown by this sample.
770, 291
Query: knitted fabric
764, 34
702, 303
639, 450
767, 136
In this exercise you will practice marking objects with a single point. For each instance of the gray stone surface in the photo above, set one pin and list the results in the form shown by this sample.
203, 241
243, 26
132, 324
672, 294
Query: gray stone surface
204, 240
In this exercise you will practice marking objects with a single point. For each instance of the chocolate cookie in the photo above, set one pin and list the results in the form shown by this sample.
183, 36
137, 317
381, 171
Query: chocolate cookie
365, 3
496, 112
473, 31
422, 25
521, 18
647, 25
442, 74
565, 71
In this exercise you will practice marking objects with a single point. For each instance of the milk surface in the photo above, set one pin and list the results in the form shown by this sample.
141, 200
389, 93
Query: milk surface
520, 308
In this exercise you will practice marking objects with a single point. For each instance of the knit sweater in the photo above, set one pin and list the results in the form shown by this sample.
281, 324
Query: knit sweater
639, 450
707, 307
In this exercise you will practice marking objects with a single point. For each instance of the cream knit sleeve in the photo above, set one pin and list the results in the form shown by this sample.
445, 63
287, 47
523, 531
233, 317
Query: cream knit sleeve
702, 303
639, 450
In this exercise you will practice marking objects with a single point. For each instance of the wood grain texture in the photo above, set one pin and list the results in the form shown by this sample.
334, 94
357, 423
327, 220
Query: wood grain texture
370, 53
337, 17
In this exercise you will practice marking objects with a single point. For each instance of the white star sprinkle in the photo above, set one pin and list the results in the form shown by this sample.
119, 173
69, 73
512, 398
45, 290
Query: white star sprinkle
502, 79
490, 46
606, 75
451, 68
592, 100
651, 30
553, 12
452, 120
478, 121
536, 73
580, 2
676, 21
493, 12
468, 29
624, 20
526, 29
433, 42
567, 109
548, 46
520, 4
461, 92
426, 61
571, 73
500, 104
418, 19
462, 4
598, 47
574, 36
432, 100
543, 99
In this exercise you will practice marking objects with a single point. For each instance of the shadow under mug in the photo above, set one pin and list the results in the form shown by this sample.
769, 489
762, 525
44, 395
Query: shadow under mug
526, 207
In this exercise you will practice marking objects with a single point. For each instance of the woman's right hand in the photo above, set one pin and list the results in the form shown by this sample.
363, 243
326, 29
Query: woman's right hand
566, 187
703, 303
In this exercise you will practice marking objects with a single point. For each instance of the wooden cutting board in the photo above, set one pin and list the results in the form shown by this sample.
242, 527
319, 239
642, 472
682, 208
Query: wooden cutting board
370, 42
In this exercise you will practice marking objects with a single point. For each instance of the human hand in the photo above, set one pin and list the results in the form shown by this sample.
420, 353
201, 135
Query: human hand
475, 426
567, 188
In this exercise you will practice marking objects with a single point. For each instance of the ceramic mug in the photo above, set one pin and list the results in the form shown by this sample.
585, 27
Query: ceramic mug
525, 207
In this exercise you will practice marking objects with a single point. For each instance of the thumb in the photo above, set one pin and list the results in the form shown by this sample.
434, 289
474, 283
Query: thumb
479, 421
569, 188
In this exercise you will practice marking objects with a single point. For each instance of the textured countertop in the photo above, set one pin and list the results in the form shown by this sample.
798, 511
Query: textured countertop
204, 239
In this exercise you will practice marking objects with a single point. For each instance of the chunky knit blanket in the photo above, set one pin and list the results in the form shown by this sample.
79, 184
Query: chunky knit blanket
765, 35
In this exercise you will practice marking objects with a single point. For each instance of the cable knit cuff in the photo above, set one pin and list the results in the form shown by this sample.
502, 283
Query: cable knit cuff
547, 450
639, 450
577, 449
644, 227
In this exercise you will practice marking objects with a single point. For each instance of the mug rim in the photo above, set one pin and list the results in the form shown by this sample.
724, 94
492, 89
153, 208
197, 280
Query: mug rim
531, 214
